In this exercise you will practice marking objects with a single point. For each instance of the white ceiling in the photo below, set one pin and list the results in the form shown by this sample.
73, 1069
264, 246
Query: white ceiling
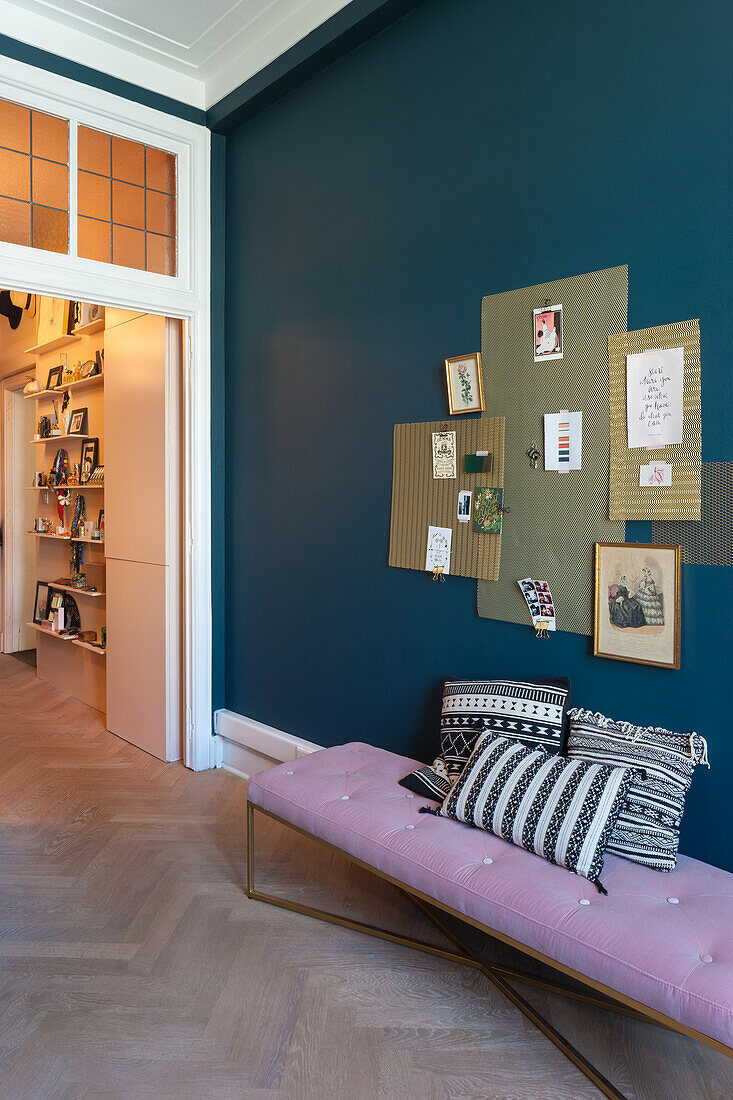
194, 50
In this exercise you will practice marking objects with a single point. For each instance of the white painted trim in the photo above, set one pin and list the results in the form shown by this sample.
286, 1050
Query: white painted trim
187, 296
11, 384
72, 42
248, 747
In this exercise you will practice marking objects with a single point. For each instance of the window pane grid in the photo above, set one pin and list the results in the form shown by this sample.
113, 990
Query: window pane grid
34, 178
127, 202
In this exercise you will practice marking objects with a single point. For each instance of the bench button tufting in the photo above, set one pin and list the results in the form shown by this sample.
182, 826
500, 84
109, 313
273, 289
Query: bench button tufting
409, 826
673, 901
584, 901
487, 860
344, 798
706, 958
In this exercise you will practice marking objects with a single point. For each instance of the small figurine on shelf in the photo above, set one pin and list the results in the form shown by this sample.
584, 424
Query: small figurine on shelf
63, 498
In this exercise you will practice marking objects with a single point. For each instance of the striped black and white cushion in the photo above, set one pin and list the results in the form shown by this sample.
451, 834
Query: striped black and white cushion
531, 711
648, 827
563, 810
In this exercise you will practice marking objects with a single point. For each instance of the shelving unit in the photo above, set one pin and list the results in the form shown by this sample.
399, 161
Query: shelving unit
81, 383
50, 535
76, 591
68, 641
90, 328
55, 488
52, 345
59, 438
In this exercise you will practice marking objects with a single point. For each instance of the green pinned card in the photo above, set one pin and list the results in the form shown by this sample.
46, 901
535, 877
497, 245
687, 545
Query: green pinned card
478, 464
487, 504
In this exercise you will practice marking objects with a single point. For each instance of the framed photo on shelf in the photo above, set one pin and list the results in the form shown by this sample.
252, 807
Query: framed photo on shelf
40, 607
638, 603
53, 319
54, 377
89, 455
465, 384
78, 422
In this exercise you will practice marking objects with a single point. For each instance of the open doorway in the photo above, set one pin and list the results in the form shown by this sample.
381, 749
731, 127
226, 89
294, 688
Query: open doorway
92, 507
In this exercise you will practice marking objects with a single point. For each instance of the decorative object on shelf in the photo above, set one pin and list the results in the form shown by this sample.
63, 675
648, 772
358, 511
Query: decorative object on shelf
32, 386
465, 384
89, 456
99, 361
44, 427
67, 371
79, 513
41, 480
87, 312
53, 319
547, 322
88, 369
487, 510
89, 636
62, 499
103, 633
76, 559
72, 619
97, 477
60, 468
54, 378
40, 607
78, 422
638, 603
100, 519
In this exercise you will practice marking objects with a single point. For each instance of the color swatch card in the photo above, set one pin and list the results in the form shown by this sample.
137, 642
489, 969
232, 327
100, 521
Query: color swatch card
437, 558
563, 440
487, 510
654, 398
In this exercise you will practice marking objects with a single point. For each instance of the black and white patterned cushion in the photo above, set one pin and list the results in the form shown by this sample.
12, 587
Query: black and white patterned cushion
563, 810
531, 711
648, 828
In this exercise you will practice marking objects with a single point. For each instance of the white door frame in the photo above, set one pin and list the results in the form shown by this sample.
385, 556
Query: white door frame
187, 296
10, 385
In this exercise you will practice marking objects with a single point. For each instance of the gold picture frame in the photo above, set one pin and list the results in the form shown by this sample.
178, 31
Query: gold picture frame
465, 383
635, 584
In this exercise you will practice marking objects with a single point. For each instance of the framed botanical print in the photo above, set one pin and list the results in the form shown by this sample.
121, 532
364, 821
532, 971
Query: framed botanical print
465, 385
638, 603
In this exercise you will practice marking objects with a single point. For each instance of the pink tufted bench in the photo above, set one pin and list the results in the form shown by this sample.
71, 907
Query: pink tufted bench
661, 945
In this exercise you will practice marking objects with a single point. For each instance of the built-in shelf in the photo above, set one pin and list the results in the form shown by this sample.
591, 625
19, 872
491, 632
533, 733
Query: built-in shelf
75, 591
92, 542
90, 328
56, 488
50, 535
81, 383
64, 638
51, 345
60, 438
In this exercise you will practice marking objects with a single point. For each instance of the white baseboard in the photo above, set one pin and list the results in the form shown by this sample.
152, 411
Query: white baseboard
248, 747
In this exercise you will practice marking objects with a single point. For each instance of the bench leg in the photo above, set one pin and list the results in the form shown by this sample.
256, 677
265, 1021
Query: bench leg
497, 975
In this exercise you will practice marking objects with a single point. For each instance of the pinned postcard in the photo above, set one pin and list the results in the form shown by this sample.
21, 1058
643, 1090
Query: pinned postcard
444, 454
656, 474
654, 382
437, 559
547, 333
563, 440
487, 510
464, 506
541, 606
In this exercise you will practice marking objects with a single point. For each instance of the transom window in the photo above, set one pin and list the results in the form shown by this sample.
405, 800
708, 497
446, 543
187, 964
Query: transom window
126, 192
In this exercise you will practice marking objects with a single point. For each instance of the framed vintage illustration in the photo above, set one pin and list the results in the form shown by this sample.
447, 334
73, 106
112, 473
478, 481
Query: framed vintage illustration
465, 384
638, 603
548, 335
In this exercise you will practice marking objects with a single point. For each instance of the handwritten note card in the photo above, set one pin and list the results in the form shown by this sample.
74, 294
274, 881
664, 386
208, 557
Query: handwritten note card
654, 398
656, 474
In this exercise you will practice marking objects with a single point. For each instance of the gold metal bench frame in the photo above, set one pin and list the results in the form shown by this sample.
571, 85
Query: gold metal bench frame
609, 999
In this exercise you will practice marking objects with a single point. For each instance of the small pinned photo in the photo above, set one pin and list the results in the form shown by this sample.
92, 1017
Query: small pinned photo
548, 334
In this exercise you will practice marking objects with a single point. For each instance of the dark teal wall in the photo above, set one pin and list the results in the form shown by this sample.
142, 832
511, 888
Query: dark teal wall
472, 147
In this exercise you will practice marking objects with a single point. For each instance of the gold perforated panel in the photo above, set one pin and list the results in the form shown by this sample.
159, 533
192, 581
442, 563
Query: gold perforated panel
709, 542
555, 518
628, 499
419, 500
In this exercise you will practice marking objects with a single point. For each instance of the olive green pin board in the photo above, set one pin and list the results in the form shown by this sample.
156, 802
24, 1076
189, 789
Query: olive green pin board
555, 518
420, 501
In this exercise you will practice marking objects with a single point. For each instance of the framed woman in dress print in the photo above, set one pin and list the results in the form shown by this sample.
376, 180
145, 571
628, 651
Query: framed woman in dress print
638, 603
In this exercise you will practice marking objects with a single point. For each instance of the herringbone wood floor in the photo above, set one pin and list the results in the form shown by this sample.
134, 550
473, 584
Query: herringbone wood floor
133, 965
